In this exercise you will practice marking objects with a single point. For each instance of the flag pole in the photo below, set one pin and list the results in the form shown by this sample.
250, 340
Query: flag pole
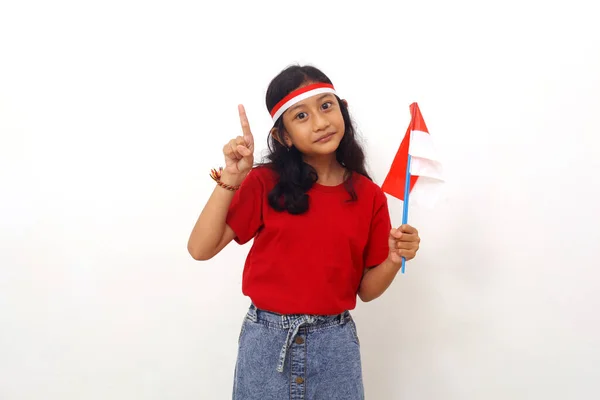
407, 180
406, 194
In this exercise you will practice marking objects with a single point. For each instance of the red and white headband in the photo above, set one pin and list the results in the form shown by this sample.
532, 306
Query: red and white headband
299, 95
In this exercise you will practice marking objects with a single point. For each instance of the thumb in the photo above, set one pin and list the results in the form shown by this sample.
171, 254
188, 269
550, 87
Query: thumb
244, 151
392, 239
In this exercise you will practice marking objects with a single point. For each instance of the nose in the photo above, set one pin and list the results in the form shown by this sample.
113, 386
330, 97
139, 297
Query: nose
320, 122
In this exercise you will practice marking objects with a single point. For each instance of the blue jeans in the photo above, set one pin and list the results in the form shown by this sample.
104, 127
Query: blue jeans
298, 357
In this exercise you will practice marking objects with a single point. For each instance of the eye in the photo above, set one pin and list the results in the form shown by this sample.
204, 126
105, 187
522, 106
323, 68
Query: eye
301, 115
327, 105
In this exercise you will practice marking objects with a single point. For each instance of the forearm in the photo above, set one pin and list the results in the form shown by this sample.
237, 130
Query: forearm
376, 280
210, 226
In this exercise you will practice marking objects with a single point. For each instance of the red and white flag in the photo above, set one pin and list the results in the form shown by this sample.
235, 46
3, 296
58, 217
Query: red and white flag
419, 154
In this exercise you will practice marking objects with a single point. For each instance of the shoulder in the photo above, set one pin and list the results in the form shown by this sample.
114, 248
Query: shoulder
375, 202
263, 175
264, 171
370, 195
366, 187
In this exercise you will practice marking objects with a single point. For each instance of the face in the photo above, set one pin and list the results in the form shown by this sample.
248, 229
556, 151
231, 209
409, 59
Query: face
315, 126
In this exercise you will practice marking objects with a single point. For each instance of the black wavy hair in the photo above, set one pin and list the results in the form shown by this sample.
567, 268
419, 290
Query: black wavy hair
295, 176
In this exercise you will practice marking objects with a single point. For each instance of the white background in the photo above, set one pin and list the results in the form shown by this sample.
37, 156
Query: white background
112, 114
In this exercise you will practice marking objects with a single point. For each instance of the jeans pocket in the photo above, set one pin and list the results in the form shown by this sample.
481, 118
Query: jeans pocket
354, 331
242, 329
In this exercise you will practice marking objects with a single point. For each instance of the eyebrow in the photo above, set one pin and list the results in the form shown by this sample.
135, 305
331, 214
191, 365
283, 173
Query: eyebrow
318, 99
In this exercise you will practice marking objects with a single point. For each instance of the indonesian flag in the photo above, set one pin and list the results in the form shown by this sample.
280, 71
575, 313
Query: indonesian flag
418, 153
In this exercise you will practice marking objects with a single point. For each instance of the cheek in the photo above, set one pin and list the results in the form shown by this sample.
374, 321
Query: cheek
338, 120
300, 138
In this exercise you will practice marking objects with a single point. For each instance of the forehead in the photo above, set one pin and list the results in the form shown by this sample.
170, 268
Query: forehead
312, 100
306, 95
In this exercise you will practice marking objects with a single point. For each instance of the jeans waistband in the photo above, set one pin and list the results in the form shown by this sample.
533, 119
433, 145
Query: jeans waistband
295, 323
284, 321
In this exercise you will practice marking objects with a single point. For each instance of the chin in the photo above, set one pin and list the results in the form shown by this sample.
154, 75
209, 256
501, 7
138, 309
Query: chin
326, 149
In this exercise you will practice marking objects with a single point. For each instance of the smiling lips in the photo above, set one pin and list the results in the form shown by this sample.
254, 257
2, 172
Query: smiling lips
325, 137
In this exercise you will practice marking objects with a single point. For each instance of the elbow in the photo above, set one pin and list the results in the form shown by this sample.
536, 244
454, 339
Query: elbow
364, 297
199, 255
369, 295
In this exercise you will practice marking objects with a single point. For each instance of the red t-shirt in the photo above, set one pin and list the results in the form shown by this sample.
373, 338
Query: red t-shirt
310, 263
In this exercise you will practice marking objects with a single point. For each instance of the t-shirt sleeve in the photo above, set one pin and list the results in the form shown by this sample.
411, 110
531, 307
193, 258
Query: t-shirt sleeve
377, 249
245, 211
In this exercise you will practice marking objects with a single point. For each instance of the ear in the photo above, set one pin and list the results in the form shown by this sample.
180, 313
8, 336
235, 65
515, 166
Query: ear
345, 102
275, 133
281, 137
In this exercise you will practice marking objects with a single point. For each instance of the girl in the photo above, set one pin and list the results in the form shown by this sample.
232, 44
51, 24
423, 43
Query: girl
322, 236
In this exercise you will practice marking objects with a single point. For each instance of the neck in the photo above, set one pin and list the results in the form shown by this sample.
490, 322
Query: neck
330, 171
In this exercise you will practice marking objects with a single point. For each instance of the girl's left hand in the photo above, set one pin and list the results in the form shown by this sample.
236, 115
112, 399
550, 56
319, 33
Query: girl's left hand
404, 242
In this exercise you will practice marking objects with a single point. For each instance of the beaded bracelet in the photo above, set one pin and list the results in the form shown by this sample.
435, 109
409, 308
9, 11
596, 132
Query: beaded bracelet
216, 176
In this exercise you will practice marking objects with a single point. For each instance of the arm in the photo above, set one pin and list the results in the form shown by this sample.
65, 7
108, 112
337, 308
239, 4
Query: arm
211, 232
403, 242
376, 280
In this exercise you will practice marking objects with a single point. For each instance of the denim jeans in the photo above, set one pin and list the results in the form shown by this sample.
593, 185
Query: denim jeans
298, 357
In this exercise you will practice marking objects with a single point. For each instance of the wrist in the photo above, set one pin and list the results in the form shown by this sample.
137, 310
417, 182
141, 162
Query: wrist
227, 180
394, 261
234, 180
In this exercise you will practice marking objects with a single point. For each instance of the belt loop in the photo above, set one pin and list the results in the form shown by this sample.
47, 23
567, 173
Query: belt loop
342, 317
284, 322
253, 313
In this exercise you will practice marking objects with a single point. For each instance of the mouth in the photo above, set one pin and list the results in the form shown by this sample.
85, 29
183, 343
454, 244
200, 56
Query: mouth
325, 137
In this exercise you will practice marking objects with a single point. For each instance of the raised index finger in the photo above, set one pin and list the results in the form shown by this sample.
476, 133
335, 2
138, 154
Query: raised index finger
245, 126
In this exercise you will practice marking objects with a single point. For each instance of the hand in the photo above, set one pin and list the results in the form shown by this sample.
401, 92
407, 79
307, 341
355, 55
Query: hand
404, 242
239, 152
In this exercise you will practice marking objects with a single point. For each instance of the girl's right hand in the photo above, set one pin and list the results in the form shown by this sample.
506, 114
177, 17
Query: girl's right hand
239, 153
